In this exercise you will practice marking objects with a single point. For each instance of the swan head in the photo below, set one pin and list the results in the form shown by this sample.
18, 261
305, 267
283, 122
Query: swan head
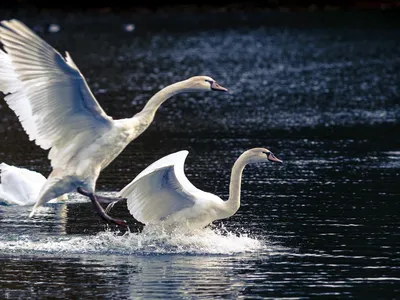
204, 83
260, 155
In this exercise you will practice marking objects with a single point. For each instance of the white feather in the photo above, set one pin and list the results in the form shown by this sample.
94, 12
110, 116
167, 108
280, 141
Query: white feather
161, 194
19, 186
16, 98
61, 103
162, 190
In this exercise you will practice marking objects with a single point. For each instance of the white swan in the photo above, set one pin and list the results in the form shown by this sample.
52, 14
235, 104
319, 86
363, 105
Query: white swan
161, 193
20, 186
57, 109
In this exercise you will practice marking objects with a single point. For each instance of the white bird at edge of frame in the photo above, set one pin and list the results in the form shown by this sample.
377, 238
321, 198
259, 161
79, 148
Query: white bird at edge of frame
20, 186
162, 194
58, 111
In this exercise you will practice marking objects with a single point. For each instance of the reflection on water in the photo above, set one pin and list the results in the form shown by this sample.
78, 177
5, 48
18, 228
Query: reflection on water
325, 223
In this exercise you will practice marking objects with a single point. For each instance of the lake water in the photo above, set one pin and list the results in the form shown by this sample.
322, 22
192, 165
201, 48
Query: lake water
322, 91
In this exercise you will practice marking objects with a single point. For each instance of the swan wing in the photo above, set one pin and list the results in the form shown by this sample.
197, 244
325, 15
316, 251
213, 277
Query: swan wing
16, 98
161, 189
48, 93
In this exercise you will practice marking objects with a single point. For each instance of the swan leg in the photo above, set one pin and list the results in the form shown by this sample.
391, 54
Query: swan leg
96, 204
109, 200
83, 192
103, 214
101, 199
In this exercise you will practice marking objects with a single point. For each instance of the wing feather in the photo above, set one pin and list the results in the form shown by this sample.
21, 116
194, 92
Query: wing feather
161, 190
47, 92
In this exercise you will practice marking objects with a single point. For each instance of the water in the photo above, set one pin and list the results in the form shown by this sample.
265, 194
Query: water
320, 91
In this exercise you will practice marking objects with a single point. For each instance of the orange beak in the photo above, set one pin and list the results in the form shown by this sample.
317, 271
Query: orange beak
216, 87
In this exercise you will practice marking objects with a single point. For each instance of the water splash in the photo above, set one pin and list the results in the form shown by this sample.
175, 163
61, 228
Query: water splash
148, 242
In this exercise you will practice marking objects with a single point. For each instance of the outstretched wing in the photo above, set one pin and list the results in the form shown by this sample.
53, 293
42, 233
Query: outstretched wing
48, 93
161, 190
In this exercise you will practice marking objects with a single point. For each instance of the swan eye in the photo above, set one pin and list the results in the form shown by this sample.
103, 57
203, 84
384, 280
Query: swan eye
210, 82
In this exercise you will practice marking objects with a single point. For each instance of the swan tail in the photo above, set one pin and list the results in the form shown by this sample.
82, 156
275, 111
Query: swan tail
53, 189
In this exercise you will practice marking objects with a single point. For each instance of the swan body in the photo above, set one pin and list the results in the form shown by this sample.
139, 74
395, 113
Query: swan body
58, 111
162, 194
20, 186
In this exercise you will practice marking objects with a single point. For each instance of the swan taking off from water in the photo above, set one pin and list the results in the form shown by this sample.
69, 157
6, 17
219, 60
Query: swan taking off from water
161, 193
56, 108
20, 186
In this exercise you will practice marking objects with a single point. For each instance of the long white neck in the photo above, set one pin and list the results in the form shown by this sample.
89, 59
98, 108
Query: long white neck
147, 113
233, 203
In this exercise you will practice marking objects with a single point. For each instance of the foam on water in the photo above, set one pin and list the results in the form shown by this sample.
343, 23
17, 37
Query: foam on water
149, 241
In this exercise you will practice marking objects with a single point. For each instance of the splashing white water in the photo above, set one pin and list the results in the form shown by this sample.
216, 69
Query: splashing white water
149, 241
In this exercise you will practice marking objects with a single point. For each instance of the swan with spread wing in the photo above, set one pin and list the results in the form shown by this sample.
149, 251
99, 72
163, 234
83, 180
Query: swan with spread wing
57, 109
162, 194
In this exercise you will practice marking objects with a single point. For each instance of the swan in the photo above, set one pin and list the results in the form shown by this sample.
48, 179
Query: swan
20, 186
162, 194
57, 109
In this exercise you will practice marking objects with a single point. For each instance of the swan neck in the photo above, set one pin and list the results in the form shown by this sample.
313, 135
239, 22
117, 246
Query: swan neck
233, 203
160, 97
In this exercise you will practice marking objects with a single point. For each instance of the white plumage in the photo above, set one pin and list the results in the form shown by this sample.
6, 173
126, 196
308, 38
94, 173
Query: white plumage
61, 105
20, 186
162, 194
58, 111
16, 98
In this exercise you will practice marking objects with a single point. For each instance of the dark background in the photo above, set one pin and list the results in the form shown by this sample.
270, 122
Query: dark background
154, 6
321, 90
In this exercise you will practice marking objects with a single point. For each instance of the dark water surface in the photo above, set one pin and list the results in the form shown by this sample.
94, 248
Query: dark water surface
321, 91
